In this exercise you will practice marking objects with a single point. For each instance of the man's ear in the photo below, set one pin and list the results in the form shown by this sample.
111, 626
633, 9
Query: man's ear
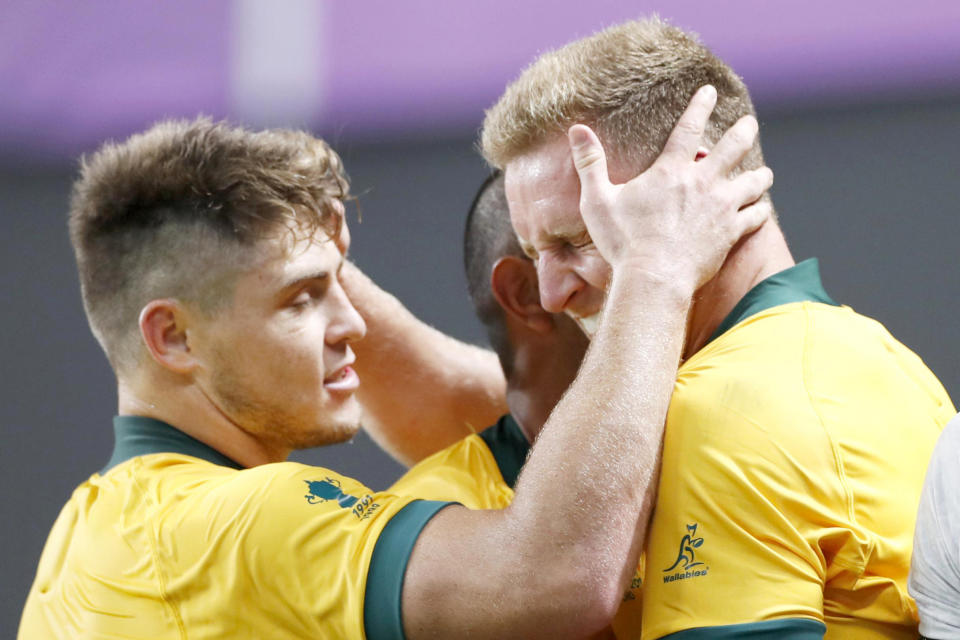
163, 327
513, 281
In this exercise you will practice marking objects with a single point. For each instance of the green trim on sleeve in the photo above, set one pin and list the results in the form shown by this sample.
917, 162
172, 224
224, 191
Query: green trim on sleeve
787, 629
382, 606
509, 447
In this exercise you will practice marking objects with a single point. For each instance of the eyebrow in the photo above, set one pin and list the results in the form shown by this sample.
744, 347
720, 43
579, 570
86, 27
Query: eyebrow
528, 249
298, 281
567, 232
321, 274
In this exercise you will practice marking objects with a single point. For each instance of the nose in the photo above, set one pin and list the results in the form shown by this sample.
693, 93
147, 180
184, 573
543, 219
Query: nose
346, 323
558, 283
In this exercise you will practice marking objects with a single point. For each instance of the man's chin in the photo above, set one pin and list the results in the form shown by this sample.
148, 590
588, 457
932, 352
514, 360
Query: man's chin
342, 432
339, 424
328, 434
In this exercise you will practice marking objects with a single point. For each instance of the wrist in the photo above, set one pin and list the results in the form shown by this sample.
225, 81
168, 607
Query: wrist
661, 283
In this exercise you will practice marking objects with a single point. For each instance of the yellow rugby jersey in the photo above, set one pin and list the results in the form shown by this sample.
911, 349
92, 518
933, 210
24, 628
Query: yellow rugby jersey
794, 454
176, 541
480, 472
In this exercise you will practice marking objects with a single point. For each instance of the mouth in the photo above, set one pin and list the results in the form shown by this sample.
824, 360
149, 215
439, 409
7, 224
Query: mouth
588, 324
344, 379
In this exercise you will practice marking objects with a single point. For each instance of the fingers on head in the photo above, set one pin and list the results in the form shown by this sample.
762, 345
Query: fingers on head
735, 143
589, 160
750, 185
686, 136
751, 217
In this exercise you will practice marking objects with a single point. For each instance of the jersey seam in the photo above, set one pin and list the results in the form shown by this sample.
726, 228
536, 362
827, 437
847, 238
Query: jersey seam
155, 558
834, 449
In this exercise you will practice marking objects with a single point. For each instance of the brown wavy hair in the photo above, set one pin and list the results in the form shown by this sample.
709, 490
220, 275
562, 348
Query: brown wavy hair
172, 211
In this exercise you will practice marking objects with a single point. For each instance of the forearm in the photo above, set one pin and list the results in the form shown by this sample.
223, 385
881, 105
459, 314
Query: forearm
556, 561
596, 462
421, 390
571, 538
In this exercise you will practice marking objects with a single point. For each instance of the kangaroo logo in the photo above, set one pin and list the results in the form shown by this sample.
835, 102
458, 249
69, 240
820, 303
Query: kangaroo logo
686, 556
328, 489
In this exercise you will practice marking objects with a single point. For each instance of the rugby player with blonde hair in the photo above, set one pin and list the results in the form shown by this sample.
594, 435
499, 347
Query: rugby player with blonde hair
798, 430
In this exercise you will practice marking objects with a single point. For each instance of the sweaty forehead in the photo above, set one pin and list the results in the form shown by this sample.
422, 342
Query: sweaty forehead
543, 193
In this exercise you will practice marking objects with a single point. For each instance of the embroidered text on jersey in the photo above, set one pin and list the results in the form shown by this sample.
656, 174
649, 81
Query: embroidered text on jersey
686, 565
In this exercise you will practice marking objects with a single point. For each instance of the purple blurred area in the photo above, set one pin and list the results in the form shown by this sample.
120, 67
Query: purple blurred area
74, 73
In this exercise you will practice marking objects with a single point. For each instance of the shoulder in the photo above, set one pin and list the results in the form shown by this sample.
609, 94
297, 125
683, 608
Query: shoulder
935, 566
762, 353
290, 495
948, 445
201, 486
786, 368
279, 481
282, 505
941, 501
479, 471
943, 473
742, 413
747, 383
464, 472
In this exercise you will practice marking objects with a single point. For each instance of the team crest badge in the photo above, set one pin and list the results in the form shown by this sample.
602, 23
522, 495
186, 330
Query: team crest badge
329, 489
687, 565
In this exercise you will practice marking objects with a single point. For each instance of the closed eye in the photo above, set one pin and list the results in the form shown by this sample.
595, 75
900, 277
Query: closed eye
581, 240
312, 291
302, 300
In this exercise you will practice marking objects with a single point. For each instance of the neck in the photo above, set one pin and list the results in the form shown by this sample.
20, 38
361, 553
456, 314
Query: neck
186, 407
755, 258
529, 408
544, 366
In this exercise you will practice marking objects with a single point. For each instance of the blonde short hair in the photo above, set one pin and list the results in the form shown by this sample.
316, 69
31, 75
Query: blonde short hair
173, 211
630, 82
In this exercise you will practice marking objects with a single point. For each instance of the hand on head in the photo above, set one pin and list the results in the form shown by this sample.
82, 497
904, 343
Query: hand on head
680, 217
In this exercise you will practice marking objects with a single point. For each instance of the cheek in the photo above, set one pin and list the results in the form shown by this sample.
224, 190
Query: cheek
291, 377
286, 359
302, 358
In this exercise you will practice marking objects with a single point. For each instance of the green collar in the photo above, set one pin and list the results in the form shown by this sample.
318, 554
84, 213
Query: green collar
140, 436
799, 283
509, 447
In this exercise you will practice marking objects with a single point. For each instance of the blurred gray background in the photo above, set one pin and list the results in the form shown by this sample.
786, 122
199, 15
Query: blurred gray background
861, 125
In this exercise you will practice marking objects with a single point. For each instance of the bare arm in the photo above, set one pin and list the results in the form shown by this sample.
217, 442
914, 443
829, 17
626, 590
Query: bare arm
422, 390
555, 563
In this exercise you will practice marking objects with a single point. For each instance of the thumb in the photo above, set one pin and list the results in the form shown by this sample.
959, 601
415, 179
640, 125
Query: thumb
590, 162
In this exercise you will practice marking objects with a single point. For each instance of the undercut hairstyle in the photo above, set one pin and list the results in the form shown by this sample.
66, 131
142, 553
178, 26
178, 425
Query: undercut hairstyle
630, 83
487, 238
176, 211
